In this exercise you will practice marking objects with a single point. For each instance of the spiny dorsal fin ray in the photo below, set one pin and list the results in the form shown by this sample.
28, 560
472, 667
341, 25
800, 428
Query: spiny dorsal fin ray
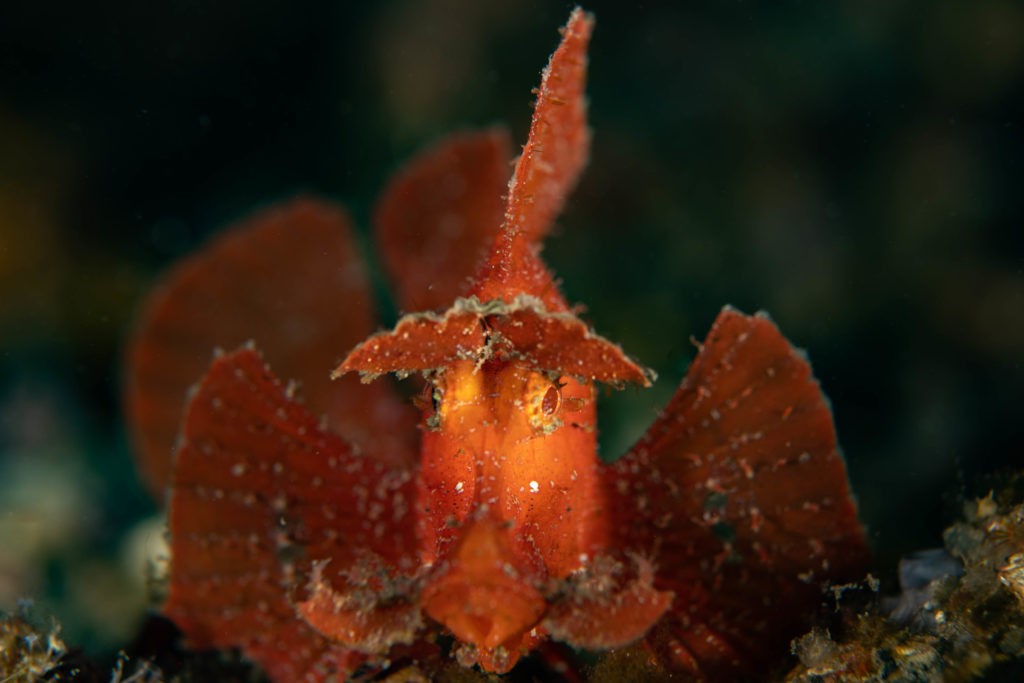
547, 170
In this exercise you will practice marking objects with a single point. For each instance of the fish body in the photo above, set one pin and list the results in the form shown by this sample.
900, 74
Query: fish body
318, 546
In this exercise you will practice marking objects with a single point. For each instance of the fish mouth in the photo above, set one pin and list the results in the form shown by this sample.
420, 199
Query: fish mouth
481, 593
487, 614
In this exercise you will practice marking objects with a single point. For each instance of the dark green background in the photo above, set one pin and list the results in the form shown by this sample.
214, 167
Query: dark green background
852, 167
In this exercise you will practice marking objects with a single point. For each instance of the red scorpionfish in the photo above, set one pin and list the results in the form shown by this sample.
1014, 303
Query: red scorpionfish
318, 545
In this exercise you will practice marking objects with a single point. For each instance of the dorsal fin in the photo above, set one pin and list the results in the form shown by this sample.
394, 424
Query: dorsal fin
547, 170
513, 308
436, 219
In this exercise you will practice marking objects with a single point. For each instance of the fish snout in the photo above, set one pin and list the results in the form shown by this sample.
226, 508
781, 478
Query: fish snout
482, 595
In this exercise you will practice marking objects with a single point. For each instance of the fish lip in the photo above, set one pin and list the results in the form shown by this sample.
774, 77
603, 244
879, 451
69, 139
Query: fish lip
485, 611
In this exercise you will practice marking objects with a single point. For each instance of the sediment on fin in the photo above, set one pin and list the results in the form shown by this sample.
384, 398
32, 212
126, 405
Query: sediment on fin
602, 606
376, 611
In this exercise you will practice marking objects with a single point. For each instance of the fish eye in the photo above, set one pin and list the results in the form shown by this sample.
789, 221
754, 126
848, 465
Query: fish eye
551, 401
544, 401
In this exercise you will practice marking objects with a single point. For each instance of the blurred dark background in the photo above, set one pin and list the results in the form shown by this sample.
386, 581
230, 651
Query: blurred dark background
852, 167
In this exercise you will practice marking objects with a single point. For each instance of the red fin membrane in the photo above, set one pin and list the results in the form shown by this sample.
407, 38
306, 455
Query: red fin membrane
419, 342
254, 282
559, 140
261, 496
438, 216
739, 495
562, 342
546, 172
548, 342
593, 616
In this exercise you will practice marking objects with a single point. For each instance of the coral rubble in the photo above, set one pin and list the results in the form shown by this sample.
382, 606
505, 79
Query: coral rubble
959, 626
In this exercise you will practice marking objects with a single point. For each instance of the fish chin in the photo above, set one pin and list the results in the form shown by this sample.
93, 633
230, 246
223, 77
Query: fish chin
483, 597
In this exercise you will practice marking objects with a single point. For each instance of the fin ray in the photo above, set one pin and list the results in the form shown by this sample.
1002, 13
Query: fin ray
739, 480
547, 170
252, 281
260, 493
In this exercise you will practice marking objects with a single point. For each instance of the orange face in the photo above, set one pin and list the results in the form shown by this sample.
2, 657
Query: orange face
510, 446
507, 496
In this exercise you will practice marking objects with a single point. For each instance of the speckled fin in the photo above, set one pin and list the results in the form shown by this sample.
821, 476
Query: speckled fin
564, 344
254, 282
560, 343
547, 170
552, 159
437, 217
739, 496
261, 500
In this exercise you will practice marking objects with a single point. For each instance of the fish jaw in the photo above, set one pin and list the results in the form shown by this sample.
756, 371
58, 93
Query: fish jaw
482, 595
508, 489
